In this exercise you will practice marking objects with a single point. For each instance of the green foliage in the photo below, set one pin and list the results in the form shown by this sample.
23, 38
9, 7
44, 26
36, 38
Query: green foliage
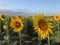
27, 36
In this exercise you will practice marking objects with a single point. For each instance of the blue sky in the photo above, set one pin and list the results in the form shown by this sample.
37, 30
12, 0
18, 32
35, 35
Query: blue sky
31, 5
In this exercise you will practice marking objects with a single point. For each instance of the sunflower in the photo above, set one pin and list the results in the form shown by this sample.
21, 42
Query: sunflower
4, 27
42, 26
56, 17
17, 24
1, 17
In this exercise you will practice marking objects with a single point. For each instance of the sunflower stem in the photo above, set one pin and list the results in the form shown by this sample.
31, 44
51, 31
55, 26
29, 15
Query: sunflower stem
48, 40
58, 31
7, 31
20, 37
0, 31
39, 41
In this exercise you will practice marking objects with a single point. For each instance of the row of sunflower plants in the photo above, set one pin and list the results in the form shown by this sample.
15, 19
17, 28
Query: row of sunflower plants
30, 30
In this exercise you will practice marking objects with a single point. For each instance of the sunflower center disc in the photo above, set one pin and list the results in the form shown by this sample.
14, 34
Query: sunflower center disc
56, 16
18, 24
42, 24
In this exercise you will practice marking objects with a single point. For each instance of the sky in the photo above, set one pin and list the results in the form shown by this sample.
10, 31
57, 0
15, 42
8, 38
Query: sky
31, 5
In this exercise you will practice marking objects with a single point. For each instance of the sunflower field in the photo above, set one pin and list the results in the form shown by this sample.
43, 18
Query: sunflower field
30, 30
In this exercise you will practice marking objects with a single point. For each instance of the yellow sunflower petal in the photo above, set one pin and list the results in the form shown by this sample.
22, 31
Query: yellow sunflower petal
42, 26
56, 17
17, 24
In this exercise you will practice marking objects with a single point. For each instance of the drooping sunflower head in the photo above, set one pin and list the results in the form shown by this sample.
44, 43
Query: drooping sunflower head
42, 26
17, 24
